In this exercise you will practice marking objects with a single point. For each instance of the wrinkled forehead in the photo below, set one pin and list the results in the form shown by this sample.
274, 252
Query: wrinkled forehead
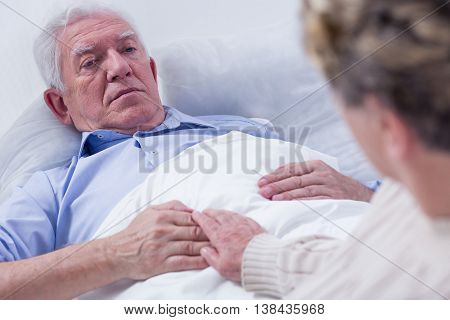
92, 31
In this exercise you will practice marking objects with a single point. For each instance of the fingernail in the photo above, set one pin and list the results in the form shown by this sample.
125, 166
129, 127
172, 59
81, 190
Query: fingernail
204, 251
262, 182
266, 192
278, 197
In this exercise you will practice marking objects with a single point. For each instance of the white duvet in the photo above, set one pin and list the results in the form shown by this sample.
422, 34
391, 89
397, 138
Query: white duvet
222, 173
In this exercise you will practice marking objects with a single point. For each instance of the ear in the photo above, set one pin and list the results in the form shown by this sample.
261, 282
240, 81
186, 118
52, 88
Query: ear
154, 70
55, 103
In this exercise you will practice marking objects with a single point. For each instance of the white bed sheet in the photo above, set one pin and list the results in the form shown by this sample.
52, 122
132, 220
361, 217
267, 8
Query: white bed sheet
239, 161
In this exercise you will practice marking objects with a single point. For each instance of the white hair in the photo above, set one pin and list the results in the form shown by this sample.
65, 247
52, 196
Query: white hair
47, 45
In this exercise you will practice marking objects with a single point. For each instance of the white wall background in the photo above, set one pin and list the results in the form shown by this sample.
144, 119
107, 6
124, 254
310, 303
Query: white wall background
160, 22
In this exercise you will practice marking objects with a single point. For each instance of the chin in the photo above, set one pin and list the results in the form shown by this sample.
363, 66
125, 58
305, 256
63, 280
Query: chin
137, 118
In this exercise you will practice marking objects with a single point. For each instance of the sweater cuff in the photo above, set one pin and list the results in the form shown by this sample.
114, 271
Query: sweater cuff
260, 270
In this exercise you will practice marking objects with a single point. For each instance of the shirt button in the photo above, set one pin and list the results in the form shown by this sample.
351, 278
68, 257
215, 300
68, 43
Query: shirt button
154, 152
100, 136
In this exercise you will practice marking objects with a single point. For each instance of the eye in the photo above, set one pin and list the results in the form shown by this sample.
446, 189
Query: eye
130, 49
88, 64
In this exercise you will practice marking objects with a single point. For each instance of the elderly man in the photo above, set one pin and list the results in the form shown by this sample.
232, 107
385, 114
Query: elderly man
102, 82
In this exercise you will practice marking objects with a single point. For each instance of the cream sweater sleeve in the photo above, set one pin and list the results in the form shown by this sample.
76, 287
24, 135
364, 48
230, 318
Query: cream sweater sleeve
272, 267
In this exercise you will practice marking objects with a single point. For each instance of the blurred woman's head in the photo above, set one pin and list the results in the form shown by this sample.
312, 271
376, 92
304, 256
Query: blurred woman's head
389, 63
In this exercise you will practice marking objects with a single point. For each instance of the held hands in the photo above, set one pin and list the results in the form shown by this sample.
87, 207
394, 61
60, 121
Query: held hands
311, 180
161, 239
229, 234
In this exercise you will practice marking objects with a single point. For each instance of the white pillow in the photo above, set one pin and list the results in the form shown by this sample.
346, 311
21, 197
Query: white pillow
36, 141
260, 74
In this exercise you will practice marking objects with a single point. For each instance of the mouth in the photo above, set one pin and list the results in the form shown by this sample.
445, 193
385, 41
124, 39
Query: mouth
124, 92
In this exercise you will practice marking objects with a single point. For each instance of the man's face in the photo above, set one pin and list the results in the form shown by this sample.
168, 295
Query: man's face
109, 81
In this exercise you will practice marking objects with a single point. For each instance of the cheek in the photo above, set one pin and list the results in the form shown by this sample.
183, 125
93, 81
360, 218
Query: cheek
86, 98
90, 91
362, 135
143, 72
367, 135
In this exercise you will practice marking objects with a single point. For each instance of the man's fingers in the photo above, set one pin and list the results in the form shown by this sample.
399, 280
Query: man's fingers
178, 218
194, 233
186, 248
291, 183
304, 193
211, 256
286, 171
173, 205
316, 198
209, 225
183, 263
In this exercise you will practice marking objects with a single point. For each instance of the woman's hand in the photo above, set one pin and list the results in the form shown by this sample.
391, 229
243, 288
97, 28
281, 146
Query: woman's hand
229, 234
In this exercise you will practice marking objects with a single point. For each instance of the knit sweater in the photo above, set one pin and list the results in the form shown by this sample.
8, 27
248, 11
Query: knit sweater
397, 252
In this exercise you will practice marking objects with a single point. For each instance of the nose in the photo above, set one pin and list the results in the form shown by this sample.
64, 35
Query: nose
117, 67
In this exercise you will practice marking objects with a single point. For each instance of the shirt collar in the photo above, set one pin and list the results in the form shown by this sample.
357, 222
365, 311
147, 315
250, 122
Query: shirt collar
99, 140
175, 119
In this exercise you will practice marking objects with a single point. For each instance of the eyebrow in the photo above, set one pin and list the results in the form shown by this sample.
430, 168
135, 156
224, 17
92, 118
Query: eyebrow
79, 51
126, 34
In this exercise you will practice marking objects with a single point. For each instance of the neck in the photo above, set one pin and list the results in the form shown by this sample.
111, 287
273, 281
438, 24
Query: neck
429, 181
156, 120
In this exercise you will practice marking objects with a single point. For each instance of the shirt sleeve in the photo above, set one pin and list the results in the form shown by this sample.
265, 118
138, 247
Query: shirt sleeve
28, 220
273, 267
374, 185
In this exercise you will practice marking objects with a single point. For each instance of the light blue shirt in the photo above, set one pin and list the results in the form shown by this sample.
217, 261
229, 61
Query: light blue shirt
66, 205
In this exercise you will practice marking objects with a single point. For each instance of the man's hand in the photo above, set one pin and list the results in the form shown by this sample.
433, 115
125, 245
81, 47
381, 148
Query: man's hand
311, 180
161, 239
229, 234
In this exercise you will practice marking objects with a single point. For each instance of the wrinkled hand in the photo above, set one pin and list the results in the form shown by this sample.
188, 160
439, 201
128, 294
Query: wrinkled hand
229, 234
311, 180
161, 239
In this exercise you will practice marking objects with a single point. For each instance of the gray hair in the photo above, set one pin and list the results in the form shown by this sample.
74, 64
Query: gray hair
47, 45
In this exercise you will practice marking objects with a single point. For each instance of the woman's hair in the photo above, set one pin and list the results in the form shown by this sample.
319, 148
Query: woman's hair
397, 50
